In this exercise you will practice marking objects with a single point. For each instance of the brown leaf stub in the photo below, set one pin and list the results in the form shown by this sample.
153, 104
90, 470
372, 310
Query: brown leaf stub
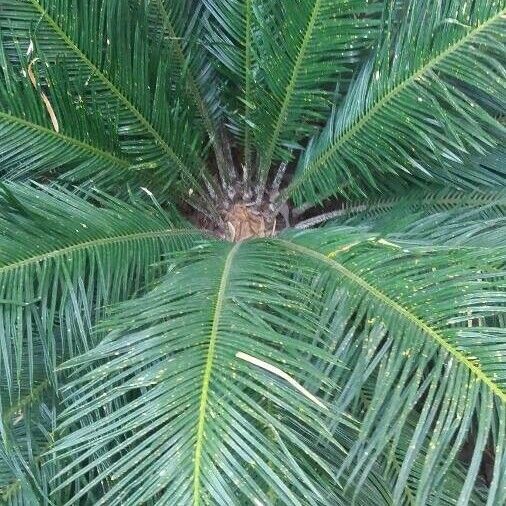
244, 222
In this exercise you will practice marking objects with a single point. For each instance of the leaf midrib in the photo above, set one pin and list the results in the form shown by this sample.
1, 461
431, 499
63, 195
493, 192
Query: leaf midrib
112, 87
356, 127
193, 88
220, 297
69, 140
94, 243
10, 488
26, 400
290, 89
405, 313
247, 84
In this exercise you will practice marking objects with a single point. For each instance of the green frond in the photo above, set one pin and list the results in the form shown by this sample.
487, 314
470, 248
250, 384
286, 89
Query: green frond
409, 114
230, 37
199, 393
22, 478
64, 260
144, 362
432, 312
180, 26
448, 488
395, 212
305, 47
27, 424
84, 149
195, 391
116, 71
466, 221
27, 470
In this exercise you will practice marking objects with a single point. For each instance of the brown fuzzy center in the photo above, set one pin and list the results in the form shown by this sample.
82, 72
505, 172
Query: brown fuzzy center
245, 221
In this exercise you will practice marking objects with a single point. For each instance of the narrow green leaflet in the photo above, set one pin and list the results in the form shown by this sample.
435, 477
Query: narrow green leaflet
63, 262
230, 37
410, 114
108, 58
432, 310
211, 403
181, 28
305, 46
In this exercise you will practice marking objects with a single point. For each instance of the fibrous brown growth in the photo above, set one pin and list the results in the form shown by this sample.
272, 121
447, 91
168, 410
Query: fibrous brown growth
244, 221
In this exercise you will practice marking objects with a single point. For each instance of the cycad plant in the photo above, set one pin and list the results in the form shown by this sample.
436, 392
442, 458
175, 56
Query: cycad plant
252, 252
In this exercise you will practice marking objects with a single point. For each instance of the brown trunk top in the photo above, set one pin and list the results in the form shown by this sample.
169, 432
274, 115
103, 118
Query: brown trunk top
244, 222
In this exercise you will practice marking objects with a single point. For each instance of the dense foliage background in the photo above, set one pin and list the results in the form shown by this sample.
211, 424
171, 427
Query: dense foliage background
252, 252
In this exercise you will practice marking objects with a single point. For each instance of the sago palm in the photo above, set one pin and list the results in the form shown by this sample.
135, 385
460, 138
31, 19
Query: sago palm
252, 252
